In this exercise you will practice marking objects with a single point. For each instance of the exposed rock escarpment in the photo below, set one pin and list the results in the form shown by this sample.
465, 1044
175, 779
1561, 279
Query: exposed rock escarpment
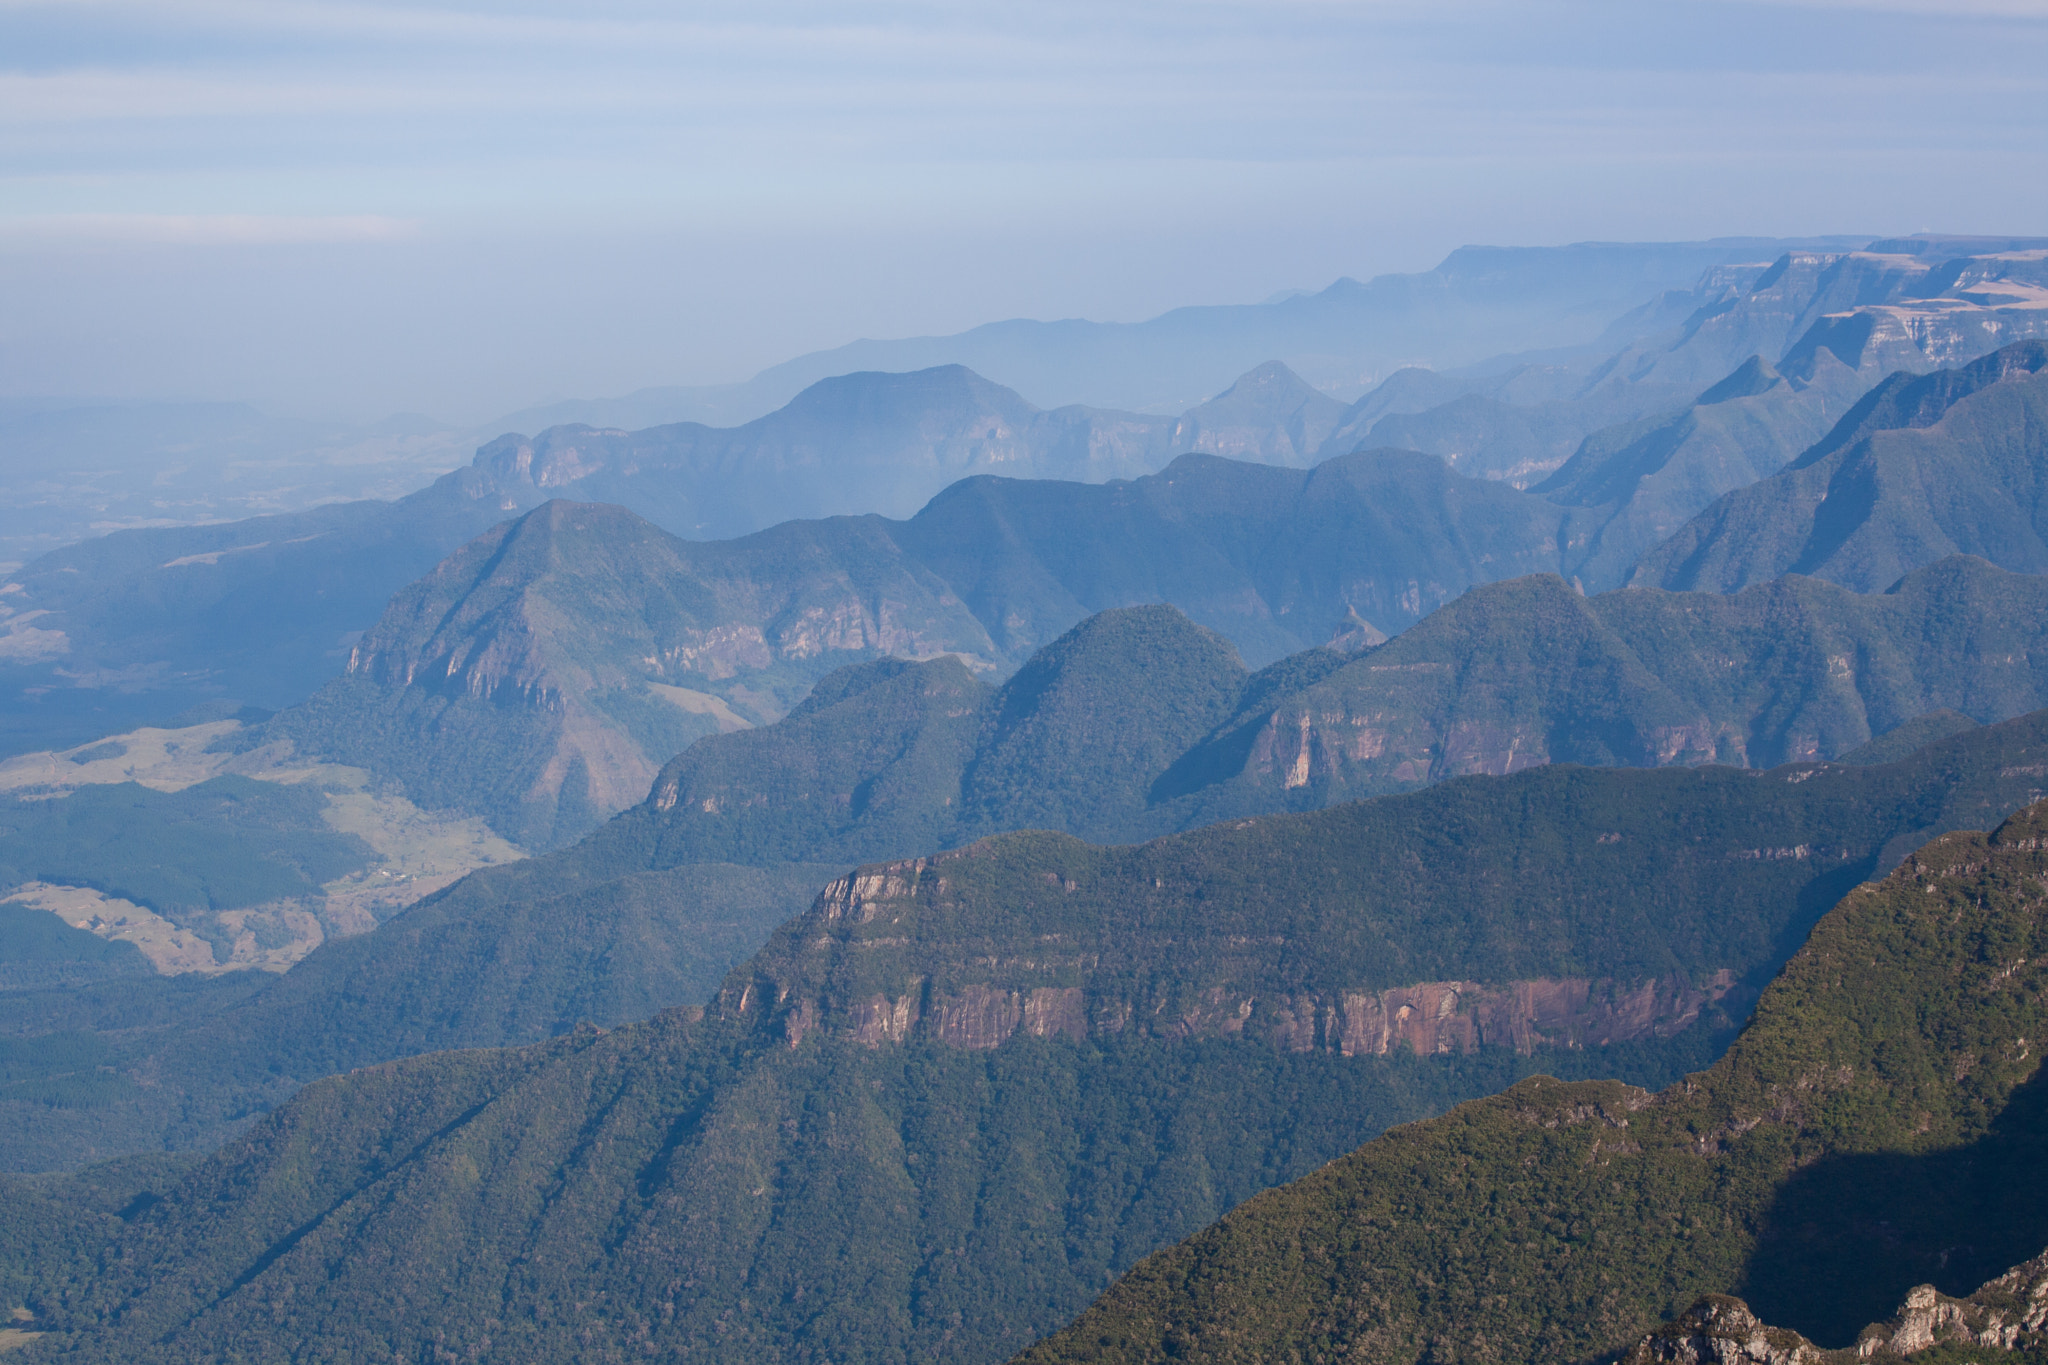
1872, 1135
1719, 1330
2007, 1314
986, 1000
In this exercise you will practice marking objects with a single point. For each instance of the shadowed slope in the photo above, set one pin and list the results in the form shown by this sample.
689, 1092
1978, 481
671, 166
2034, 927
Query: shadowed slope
1963, 472
1887, 1071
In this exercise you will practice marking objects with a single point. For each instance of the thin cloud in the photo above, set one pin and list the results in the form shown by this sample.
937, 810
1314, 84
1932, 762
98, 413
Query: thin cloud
203, 229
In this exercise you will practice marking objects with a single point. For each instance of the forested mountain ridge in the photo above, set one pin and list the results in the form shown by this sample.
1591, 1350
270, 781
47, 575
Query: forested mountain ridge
943, 1107
672, 639
536, 682
542, 675
1638, 482
1527, 672
1946, 463
890, 759
1127, 727
1872, 1128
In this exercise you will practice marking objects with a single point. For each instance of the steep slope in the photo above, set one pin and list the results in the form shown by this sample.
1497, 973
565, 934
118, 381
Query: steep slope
1275, 559
1639, 482
1270, 415
1958, 468
1876, 1126
1829, 324
541, 676
938, 1111
1836, 322
1872, 311
1137, 723
1507, 676
884, 759
892, 758
142, 626
1529, 672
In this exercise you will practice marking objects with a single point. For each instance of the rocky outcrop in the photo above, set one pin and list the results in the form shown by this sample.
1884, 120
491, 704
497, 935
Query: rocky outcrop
2008, 1314
1719, 1330
978, 1002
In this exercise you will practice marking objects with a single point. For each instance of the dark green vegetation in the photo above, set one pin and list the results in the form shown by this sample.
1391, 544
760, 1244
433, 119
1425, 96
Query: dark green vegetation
891, 758
1530, 672
64, 1220
1946, 463
224, 844
38, 949
542, 675
1877, 1125
1135, 723
507, 955
938, 1112
1895, 743
486, 683
1150, 729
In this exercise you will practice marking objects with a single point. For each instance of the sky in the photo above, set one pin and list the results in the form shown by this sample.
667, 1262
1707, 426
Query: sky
354, 209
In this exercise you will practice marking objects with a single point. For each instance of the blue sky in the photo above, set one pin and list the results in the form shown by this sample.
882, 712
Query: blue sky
354, 208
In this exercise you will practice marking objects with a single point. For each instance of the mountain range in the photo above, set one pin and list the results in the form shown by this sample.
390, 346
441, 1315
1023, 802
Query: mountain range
1479, 867
144, 626
1925, 465
539, 680
1479, 302
939, 1111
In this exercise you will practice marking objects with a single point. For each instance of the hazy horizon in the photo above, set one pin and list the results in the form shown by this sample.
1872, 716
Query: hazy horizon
353, 210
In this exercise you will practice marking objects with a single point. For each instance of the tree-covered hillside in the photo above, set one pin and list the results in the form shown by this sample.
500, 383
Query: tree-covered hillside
1530, 672
942, 1109
1876, 1126
1953, 462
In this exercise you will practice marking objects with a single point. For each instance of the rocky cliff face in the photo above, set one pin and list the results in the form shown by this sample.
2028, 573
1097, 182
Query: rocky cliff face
543, 674
2009, 1313
1720, 1330
1873, 1135
1516, 675
1429, 1018
1871, 311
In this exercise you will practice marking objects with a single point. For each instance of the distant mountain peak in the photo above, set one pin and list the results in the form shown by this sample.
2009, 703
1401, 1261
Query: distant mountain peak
1269, 413
1754, 376
1272, 379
